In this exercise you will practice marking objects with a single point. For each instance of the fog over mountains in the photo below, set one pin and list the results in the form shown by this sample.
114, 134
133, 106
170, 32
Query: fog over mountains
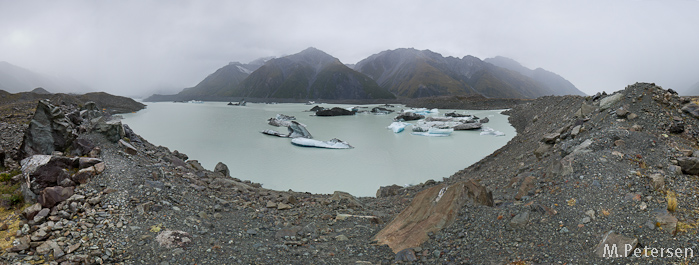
15, 79
403, 73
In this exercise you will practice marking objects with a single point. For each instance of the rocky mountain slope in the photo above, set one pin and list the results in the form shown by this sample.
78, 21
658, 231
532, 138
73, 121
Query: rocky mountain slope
17, 79
413, 73
310, 74
582, 172
217, 84
556, 83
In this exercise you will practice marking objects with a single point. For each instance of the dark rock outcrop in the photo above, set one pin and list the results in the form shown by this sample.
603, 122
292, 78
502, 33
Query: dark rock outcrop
48, 131
409, 116
336, 111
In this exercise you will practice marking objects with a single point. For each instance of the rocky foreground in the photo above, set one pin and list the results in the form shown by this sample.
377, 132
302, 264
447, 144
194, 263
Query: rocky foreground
616, 170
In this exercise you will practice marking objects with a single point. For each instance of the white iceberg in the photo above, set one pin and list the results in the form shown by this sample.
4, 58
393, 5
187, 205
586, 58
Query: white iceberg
491, 131
435, 132
398, 126
332, 144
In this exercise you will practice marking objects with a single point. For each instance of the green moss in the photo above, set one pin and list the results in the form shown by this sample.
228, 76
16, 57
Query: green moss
8, 176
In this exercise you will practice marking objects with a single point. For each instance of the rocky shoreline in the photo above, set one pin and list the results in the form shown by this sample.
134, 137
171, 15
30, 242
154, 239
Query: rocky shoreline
579, 168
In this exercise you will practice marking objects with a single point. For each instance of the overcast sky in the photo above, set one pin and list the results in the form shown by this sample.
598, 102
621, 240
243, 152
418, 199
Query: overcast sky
136, 47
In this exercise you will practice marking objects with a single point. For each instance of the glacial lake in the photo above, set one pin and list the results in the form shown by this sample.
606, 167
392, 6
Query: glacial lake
213, 132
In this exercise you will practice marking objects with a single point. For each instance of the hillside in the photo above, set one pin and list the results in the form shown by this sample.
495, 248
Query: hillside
216, 85
413, 73
559, 85
310, 74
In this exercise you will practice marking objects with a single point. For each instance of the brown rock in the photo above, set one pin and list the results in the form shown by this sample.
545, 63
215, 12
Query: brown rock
100, 167
95, 153
430, 211
128, 148
53, 195
83, 175
31, 211
666, 221
527, 185
85, 162
283, 206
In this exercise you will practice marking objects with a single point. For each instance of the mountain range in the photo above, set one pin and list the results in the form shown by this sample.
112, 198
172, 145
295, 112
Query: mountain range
403, 73
17, 79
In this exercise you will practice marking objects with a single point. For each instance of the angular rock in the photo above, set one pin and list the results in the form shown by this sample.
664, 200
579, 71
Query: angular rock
128, 148
41, 215
99, 168
520, 220
576, 130
53, 195
83, 175
95, 152
85, 162
113, 130
407, 254
223, 169
615, 245
692, 109
550, 138
430, 211
665, 221
345, 198
40, 234
657, 181
41, 171
49, 130
31, 211
689, 165
608, 101
541, 150
82, 147
622, 113
23, 244
174, 238
387, 191
283, 206
528, 184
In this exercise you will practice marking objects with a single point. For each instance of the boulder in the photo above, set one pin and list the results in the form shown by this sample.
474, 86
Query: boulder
610, 241
346, 199
691, 109
609, 101
128, 133
387, 191
223, 169
179, 155
335, 111
689, 165
82, 147
665, 221
430, 211
528, 184
51, 196
31, 211
128, 148
41, 171
113, 130
484, 120
85, 162
174, 238
49, 130
83, 175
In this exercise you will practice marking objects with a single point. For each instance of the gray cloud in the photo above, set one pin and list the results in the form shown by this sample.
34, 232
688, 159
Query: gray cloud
134, 47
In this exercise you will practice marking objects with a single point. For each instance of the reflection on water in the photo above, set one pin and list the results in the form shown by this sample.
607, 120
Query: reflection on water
213, 132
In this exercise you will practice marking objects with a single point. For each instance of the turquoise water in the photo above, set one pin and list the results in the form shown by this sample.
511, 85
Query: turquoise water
214, 132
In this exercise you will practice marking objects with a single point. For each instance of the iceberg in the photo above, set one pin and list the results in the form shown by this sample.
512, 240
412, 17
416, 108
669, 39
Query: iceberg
435, 132
491, 131
331, 144
398, 126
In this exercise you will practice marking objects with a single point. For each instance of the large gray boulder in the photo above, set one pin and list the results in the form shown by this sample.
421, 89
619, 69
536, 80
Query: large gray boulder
223, 169
48, 131
113, 129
